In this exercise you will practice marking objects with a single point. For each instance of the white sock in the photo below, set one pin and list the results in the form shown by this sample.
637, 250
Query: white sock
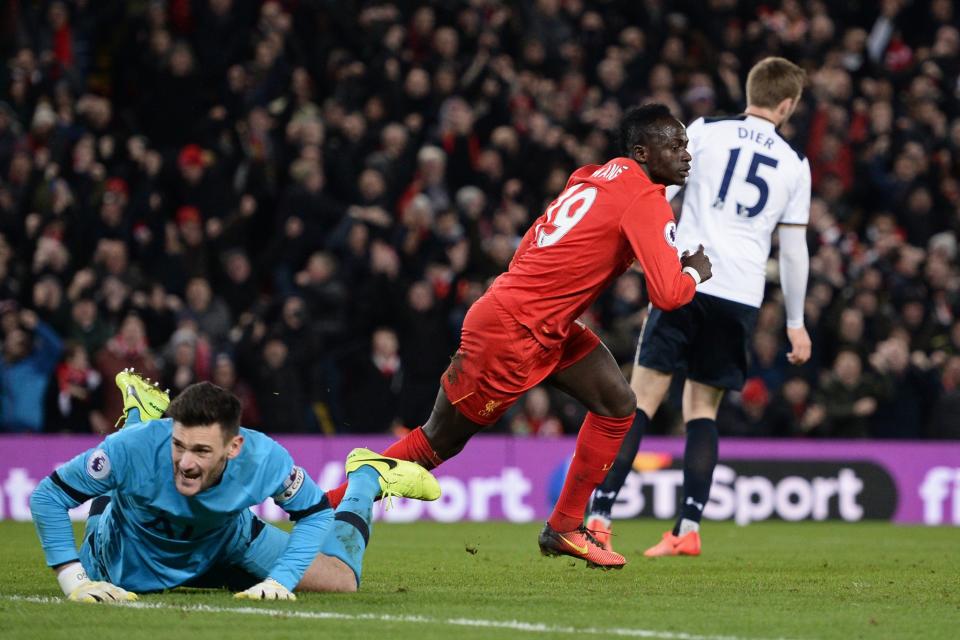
605, 521
686, 526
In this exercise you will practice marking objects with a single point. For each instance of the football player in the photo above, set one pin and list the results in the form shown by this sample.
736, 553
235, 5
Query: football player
524, 329
171, 505
747, 180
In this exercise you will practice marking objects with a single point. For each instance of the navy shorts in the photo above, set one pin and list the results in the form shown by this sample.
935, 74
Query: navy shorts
707, 338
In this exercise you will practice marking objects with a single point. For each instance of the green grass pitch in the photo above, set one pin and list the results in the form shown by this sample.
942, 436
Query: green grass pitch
471, 580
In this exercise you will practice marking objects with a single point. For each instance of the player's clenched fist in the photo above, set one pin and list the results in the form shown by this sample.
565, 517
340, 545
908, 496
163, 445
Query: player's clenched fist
699, 262
100, 592
269, 589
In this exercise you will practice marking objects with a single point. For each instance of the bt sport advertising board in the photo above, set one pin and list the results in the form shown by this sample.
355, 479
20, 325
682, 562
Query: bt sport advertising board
517, 479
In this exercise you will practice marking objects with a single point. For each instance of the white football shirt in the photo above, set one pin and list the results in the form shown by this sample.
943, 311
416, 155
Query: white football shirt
744, 180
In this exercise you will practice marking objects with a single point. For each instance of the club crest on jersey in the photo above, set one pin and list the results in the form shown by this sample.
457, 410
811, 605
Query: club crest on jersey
290, 486
490, 407
670, 233
98, 465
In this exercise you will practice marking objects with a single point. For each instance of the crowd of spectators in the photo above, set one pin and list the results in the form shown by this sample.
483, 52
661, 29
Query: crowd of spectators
299, 199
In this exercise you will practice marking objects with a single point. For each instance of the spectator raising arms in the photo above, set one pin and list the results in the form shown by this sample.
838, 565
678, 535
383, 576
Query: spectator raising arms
30, 352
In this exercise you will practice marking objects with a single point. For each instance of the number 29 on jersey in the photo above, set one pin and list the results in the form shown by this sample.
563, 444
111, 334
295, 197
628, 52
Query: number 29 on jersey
563, 215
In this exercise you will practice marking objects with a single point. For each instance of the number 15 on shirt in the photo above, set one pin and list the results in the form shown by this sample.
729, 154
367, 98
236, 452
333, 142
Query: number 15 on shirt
753, 177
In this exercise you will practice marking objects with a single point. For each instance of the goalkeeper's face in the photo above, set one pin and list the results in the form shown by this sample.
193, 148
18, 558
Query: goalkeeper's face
200, 455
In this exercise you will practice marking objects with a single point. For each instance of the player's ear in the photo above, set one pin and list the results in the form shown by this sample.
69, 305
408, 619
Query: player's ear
786, 107
236, 444
640, 153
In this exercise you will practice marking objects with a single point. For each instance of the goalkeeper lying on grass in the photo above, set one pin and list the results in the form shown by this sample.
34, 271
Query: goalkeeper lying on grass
172, 498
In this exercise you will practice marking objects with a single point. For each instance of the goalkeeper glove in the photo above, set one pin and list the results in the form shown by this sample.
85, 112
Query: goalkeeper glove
79, 588
269, 589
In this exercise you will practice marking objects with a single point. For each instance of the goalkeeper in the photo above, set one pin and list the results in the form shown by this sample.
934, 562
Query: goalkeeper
171, 505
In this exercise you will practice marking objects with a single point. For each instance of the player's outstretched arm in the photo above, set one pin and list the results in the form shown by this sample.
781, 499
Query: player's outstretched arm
296, 493
79, 588
87, 475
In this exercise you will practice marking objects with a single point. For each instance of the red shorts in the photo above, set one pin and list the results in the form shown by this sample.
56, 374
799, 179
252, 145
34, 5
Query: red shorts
499, 360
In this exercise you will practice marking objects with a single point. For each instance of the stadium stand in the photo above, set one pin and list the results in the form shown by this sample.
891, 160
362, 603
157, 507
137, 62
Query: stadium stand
299, 200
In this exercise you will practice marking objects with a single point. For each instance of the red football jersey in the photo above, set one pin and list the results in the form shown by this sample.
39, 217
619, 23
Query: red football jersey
606, 217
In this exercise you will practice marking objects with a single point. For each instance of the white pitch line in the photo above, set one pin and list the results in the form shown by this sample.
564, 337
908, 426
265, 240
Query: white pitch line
511, 625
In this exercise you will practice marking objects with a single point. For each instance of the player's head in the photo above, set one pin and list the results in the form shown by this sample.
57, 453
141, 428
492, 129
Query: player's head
774, 85
657, 141
206, 433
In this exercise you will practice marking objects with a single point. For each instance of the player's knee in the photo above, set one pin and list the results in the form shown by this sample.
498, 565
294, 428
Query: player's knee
648, 400
616, 402
334, 582
348, 587
624, 403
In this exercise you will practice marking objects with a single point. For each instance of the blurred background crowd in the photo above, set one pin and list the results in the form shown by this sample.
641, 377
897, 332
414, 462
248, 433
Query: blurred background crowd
300, 199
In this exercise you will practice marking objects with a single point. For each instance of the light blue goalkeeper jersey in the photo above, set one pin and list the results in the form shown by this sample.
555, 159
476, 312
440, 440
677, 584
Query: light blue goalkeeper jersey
151, 537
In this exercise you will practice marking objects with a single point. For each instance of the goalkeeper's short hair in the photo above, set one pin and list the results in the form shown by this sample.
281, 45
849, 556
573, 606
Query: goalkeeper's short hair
204, 403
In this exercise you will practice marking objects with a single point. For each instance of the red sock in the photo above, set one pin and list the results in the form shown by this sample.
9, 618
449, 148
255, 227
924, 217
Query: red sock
413, 446
597, 446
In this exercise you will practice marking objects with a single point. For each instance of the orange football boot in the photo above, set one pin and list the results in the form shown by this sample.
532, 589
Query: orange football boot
671, 545
581, 544
600, 529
